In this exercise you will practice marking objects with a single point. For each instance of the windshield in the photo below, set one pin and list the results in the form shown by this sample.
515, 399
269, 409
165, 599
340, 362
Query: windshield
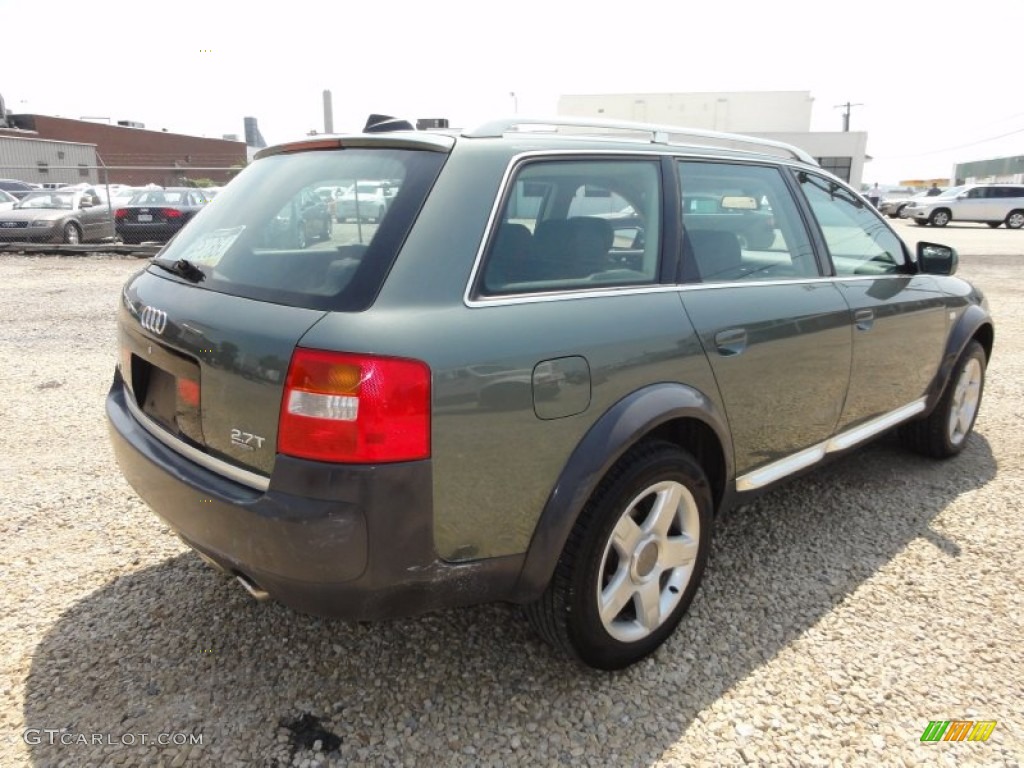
62, 200
951, 192
272, 237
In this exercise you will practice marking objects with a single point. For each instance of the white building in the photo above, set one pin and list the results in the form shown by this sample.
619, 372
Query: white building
778, 115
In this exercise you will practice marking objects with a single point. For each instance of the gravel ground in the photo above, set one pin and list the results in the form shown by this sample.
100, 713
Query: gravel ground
838, 616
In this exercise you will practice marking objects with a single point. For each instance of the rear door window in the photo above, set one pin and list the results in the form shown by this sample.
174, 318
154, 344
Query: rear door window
576, 225
740, 222
271, 237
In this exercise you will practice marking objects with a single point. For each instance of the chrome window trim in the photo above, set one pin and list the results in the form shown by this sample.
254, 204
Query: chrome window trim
805, 458
622, 290
230, 471
569, 295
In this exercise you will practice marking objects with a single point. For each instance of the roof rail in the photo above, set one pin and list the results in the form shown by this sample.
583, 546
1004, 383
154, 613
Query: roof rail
659, 134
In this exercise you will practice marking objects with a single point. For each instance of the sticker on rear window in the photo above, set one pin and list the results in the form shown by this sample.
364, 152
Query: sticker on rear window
211, 247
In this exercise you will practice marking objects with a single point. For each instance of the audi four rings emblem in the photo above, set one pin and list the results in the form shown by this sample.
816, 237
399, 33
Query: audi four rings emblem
153, 319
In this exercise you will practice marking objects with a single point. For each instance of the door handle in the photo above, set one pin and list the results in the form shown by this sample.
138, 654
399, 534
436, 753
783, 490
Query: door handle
864, 318
731, 342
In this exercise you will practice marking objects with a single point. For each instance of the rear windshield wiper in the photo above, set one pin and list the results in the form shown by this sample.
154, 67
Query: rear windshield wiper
182, 268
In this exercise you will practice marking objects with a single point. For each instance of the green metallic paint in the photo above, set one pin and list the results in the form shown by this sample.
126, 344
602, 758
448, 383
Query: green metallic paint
243, 348
897, 353
784, 389
570, 393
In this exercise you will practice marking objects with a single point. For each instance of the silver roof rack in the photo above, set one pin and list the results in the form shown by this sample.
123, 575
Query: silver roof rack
657, 134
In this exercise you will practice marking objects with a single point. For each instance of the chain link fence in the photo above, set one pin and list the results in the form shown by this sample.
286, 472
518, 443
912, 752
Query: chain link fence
85, 203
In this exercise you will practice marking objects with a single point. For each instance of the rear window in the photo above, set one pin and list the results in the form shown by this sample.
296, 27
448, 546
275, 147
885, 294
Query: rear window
270, 236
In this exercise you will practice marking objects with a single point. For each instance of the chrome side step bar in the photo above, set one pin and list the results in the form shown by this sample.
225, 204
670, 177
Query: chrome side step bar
805, 458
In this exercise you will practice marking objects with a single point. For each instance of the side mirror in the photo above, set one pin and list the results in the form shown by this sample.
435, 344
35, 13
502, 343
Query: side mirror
86, 203
935, 259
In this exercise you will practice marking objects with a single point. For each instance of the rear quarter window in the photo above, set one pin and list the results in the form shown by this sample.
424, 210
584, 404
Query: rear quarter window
568, 225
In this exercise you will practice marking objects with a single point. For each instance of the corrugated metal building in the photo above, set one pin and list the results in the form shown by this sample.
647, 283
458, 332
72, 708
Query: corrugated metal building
140, 156
1002, 170
43, 161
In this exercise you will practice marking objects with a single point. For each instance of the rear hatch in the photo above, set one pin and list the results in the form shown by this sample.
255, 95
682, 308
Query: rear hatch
207, 331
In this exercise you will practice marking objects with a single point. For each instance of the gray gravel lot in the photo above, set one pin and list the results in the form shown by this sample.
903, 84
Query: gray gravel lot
838, 616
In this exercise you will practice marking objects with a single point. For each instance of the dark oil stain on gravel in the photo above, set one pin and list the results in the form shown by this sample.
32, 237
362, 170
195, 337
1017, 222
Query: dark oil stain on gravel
307, 730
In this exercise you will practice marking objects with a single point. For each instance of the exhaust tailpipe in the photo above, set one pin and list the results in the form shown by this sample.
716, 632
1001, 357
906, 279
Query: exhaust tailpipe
254, 591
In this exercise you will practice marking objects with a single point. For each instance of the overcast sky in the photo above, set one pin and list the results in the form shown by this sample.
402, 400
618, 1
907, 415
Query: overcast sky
936, 83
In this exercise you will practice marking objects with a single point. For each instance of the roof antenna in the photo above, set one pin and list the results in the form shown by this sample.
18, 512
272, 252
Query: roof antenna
383, 123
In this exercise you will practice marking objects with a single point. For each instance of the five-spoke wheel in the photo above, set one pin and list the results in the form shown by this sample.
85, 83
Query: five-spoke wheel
633, 561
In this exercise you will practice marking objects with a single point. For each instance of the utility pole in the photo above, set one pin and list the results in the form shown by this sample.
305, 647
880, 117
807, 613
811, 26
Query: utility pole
846, 115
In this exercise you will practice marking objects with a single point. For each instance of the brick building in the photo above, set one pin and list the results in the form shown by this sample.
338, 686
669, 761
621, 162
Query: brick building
138, 156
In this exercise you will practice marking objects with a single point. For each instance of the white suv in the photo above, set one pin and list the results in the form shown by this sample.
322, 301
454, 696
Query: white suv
992, 204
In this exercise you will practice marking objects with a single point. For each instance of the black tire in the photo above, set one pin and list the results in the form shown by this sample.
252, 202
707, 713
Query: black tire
994, 224
937, 435
1015, 220
72, 234
899, 212
568, 615
940, 218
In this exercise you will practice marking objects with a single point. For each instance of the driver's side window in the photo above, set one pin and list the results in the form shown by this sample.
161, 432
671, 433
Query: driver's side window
858, 241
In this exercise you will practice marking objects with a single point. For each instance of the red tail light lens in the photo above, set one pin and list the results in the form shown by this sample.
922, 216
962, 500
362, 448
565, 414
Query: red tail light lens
121, 213
342, 407
188, 392
171, 213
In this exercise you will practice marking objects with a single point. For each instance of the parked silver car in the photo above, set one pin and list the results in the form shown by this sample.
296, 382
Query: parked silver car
58, 216
894, 206
991, 204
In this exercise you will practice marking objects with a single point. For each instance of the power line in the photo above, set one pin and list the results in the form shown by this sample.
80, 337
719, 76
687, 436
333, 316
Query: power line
951, 149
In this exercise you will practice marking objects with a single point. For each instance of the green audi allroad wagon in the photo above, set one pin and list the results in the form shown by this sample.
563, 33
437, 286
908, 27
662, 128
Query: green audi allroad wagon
536, 377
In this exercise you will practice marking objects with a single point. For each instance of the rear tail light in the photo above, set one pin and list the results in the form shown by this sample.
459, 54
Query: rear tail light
121, 213
188, 393
171, 213
342, 407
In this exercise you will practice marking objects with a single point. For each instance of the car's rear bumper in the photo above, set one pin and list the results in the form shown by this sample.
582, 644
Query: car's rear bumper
354, 541
143, 232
